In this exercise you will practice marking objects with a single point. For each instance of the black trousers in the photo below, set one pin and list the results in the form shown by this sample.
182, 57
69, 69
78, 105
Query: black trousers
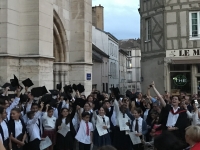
34, 145
6, 144
138, 147
83, 146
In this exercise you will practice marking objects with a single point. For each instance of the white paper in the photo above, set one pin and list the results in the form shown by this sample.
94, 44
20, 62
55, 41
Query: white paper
45, 144
64, 129
122, 124
135, 139
100, 129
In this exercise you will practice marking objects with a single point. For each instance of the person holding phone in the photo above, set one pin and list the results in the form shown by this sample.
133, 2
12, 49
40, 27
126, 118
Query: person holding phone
195, 114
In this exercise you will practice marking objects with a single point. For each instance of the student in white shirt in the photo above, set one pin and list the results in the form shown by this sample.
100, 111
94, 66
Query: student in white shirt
101, 121
4, 128
138, 126
33, 128
6, 105
49, 122
85, 135
17, 130
121, 138
65, 142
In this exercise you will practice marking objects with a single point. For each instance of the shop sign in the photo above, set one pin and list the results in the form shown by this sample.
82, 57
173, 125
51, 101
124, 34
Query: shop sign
180, 80
183, 53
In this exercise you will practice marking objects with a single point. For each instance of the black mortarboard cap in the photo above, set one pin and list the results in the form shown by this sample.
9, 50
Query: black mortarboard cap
80, 88
116, 92
79, 101
39, 91
44, 90
130, 95
23, 98
46, 98
54, 92
27, 83
53, 102
14, 82
74, 86
59, 86
10, 86
68, 89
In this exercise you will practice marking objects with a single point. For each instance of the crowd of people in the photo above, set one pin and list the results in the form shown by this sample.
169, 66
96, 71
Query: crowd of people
65, 119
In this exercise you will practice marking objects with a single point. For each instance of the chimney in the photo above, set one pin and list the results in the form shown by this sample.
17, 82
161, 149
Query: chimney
98, 17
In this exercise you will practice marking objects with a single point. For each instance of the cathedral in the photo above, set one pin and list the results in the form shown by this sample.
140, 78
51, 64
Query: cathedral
48, 41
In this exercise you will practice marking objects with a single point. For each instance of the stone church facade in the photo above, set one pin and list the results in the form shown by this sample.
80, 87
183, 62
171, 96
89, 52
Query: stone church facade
49, 41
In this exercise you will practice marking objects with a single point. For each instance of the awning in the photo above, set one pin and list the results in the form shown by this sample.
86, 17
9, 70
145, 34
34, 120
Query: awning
188, 60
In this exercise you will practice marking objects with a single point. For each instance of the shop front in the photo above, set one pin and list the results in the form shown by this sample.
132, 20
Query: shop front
182, 72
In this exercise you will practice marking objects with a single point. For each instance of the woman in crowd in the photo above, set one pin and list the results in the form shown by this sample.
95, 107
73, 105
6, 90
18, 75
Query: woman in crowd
192, 137
101, 122
195, 114
64, 142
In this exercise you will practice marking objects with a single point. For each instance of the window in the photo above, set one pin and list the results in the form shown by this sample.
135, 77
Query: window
148, 29
129, 74
129, 63
195, 25
129, 53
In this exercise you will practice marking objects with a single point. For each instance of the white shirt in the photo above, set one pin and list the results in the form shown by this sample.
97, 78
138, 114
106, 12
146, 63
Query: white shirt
32, 127
172, 119
119, 115
55, 112
28, 106
113, 117
195, 118
5, 130
146, 114
99, 120
13, 105
18, 128
48, 122
81, 136
140, 120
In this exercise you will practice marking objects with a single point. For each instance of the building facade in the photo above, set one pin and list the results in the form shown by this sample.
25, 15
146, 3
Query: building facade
100, 69
133, 76
107, 43
122, 71
48, 41
170, 42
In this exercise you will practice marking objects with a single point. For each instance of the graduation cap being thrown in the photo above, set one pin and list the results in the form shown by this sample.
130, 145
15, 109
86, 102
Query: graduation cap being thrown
74, 86
27, 83
79, 101
39, 91
54, 92
14, 82
80, 88
10, 86
68, 89
23, 98
59, 86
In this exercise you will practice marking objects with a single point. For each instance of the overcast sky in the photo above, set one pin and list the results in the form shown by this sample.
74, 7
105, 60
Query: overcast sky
121, 17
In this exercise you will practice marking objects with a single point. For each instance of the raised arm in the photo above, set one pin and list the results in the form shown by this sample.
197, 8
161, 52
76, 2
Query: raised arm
162, 101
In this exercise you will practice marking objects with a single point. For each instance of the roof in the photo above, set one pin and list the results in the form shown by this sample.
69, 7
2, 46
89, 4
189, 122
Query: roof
95, 48
109, 34
129, 43
123, 52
